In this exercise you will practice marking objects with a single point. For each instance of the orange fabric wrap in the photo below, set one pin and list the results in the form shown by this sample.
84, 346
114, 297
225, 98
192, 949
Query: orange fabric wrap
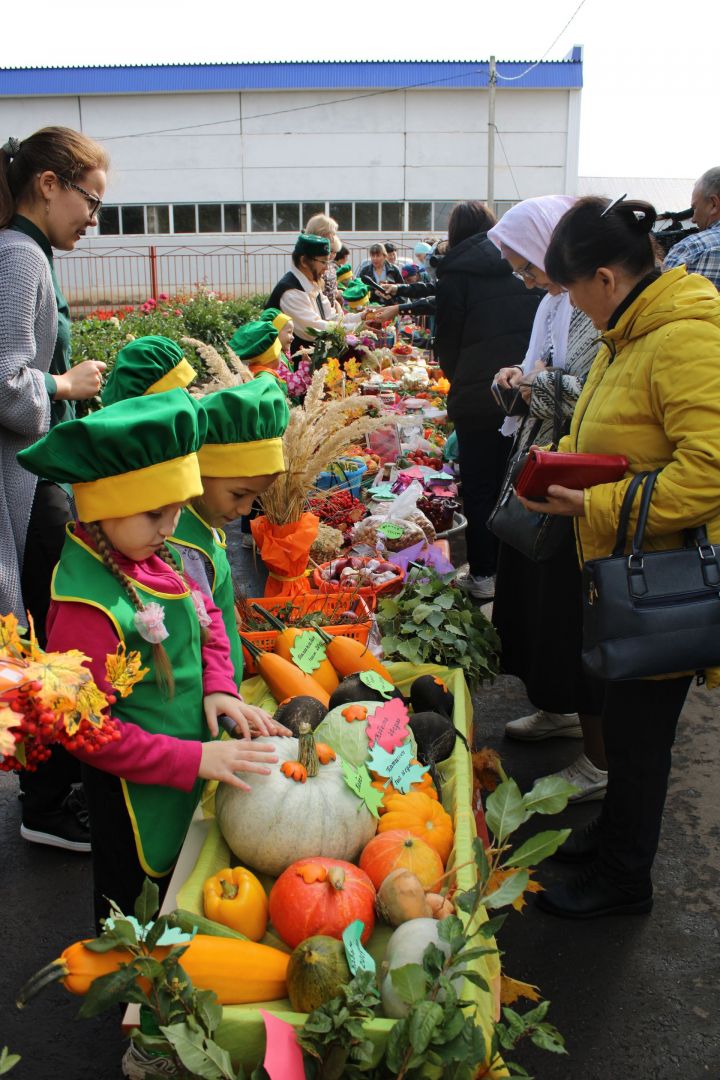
285, 550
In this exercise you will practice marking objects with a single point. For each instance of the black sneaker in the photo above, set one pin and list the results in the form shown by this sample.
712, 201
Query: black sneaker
591, 895
68, 827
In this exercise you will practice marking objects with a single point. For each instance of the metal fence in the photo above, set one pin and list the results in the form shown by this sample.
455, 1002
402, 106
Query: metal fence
115, 276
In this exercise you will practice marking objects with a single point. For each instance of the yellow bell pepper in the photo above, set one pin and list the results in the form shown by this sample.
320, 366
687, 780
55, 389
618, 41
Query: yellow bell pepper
236, 899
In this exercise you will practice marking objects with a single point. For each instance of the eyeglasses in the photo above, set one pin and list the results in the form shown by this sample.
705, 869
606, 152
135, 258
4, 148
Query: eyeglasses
94, 204
525, 273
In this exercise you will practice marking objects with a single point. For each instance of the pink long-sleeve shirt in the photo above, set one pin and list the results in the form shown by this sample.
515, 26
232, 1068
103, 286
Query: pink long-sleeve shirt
138, 755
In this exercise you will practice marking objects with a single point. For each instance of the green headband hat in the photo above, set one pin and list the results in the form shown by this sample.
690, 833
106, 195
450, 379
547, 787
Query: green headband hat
245, 426
256, 343
131, 457
315, 247
344, 274
148, 365
356, 294
275, 317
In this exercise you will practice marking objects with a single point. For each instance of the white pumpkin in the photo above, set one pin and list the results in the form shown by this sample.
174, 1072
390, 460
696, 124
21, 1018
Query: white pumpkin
281, 820
407, 946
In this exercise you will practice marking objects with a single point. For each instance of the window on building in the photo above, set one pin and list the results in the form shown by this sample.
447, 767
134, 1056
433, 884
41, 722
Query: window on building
343, 214
158, 219
502, 206
310, 209
287, 216
366, 217
235, 217
262, 217
109, 221
133, 220
210, 217
184, 218
391, 216
419, 216
441, 215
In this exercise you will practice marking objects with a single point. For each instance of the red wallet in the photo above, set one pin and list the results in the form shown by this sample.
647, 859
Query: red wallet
538, 469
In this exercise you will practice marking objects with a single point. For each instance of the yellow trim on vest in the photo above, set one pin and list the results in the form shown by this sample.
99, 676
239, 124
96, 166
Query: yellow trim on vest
138, 584
55, 595
138, 842
261, 458
176, 378
139, 490
218, 534
281, 320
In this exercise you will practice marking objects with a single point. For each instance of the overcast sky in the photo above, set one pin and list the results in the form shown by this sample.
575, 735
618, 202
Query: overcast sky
648, 105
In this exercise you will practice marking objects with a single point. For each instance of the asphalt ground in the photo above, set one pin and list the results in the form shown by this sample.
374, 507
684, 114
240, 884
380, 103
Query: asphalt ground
635, 997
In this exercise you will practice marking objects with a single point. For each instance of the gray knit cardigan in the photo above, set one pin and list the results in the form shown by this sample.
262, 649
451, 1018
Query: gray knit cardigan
28, 331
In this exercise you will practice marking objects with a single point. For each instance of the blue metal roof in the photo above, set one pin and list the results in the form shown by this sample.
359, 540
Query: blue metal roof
342, 75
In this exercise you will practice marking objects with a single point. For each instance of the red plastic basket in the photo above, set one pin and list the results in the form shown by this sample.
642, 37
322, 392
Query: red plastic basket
388, 589
362, 606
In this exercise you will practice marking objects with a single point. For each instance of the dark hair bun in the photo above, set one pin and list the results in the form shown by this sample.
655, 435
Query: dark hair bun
639, 215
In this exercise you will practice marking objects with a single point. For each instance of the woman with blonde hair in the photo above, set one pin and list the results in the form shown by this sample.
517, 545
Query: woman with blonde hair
51, 189
327, 227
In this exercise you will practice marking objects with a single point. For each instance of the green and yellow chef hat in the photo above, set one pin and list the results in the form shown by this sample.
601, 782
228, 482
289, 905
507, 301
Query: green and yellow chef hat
344, 275
275, 317
245, 426
131, 457
356, 295
256, 343
148, 365
314, 247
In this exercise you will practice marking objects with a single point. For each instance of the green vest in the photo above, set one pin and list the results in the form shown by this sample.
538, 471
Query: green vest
193, 532
160, 816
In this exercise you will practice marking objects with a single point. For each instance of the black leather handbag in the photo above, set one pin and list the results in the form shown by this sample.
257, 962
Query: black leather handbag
536, 536
651, 612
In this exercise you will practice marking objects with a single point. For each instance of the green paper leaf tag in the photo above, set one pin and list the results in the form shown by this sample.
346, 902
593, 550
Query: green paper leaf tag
391, 530
375, 681
308, 651
397, 766
383, 491
358, 958
360, 782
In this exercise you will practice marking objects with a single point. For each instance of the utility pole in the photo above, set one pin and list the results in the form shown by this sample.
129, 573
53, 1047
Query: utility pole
492, 83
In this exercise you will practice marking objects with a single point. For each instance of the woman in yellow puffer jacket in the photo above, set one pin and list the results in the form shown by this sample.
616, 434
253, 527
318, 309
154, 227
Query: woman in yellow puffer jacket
653, 394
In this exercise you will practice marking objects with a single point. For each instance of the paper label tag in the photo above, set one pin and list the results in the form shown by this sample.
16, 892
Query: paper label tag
383, 491
391, 530
360, 782
388, 726
375, 681
358, 958
308, 651
397, 766
283, 1056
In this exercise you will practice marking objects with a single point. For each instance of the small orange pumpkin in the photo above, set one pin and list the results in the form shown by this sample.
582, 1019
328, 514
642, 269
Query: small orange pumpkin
422, 816
425, 785
400, 849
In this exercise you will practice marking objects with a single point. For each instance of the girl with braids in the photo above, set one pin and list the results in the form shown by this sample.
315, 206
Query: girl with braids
51, 186
132, 466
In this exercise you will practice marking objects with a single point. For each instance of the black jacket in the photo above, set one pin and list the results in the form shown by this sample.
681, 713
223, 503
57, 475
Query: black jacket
483, 323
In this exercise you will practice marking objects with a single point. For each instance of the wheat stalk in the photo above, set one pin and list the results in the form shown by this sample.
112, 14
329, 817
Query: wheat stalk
236, 365
214, 362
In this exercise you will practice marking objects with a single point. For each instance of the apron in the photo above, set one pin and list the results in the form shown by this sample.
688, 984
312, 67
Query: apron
160, 816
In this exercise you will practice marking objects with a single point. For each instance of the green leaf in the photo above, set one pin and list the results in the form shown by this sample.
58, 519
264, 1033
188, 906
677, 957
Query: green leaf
537, 848
7, 1060
511, 888
147, 902
107, 941
481, 859
155, 932
209, 1009
410, 981
549, 796
505, 810
421, 612
452, 931
397, 1046
548, 1038
491, 927
467, 955
423, 1021
149, 968
476, 978
108, 990
199, 1055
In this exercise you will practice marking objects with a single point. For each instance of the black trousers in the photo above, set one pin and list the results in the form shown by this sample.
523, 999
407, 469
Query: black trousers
639, 721
117, 873
45, 789
483, 457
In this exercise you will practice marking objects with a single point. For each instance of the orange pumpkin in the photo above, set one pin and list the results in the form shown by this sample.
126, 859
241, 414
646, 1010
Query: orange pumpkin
400, 849
425, 785
422, 816
321, 896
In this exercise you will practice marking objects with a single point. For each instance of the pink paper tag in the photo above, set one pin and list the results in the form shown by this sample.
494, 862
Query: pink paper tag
415, 472
283, 1056
388, 726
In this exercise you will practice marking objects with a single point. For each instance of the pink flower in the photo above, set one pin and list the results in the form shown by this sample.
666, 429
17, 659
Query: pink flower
177, 311
163, 296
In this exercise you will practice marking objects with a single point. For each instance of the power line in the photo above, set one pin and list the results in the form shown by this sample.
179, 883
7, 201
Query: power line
513, 78
507, 162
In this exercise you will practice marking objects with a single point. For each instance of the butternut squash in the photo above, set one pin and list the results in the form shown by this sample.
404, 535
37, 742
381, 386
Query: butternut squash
348, 656
283, 678
240, 972
325, 674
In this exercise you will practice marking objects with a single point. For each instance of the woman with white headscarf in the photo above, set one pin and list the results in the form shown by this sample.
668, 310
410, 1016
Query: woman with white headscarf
538, 607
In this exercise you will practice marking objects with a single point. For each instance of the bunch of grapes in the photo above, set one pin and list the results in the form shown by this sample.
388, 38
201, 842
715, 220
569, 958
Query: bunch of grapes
38, 726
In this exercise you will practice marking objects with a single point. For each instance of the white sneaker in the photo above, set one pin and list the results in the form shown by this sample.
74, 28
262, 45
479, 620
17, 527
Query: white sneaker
481, 588
544, 725
582, 774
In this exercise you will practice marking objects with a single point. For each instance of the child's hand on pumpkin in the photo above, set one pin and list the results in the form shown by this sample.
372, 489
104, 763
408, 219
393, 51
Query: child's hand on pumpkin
261, 722
222, 760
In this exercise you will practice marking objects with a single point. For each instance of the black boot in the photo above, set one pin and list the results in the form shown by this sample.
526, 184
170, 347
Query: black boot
591, 894
581, 844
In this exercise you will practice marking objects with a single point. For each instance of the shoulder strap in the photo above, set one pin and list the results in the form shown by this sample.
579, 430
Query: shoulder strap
625, 510
648, 488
